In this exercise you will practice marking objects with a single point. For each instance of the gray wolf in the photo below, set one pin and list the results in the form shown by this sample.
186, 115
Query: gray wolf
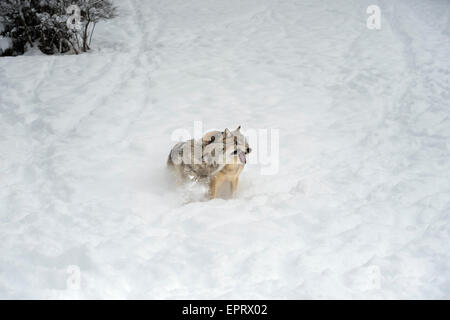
216, 158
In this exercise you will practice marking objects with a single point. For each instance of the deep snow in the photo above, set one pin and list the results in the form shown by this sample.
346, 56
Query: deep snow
359, 208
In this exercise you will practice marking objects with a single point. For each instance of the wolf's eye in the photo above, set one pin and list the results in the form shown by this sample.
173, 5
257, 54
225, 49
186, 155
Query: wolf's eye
212, 139
235, 141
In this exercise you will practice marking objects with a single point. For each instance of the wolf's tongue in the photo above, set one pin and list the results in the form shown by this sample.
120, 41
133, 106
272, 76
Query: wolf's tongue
242, 157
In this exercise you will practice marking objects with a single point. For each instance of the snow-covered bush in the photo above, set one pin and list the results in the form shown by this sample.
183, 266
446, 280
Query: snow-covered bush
43, 23
92, 11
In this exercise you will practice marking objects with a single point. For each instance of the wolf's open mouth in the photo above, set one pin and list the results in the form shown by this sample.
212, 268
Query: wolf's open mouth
242, 157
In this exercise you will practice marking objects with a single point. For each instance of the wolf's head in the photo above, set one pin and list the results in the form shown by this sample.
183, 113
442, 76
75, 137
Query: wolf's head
226, 147
236, 146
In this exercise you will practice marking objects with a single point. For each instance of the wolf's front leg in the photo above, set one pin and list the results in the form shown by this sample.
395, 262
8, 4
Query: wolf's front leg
234, 185
215, 184
212, 188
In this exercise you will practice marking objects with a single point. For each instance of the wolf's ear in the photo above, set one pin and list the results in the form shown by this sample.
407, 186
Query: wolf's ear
238, 128
227, 133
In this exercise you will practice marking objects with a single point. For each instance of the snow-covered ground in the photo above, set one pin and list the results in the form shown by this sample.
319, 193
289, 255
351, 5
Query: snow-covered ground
360, 206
